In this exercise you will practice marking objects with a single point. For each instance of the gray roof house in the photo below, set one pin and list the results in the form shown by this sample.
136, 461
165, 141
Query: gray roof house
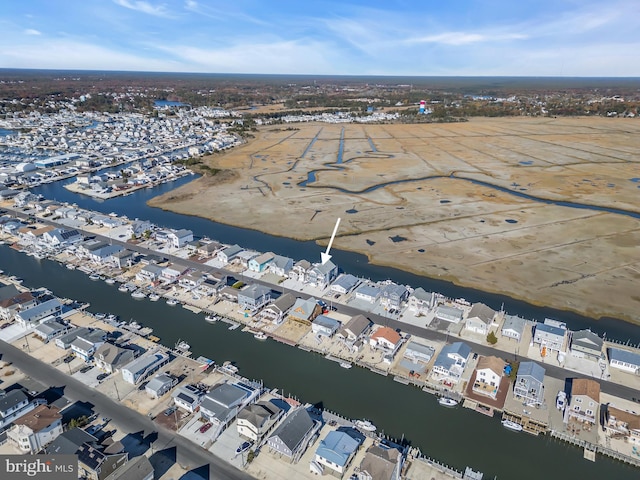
253, 298
529, 384
280, 265
293, 434
323, 325
624, 360
449, 314
64, 341
550, 335
69, 442
276, 311
322, 274
381, 462
256, 419
50, 329
451, 361
344, 283
229, 254
160, 384
32, 316
224, 400
141, 368
393, 295
305, 310
138, 468
480, 318
586, 344
13, 405
111, 358
513, 327
368, 293
418, 352
420, 301
356, 328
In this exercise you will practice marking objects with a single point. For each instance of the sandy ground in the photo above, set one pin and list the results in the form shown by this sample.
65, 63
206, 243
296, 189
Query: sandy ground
406, 199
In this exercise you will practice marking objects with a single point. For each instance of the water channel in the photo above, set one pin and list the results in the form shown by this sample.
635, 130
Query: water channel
458, 437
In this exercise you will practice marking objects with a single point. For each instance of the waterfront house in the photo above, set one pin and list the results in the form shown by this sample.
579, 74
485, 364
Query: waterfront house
513, 327
149, 273
255, 420
173, 272
585, 398
280, 266
322, 274
529, 384
305, 311
326, 326
179, 238
355, 329
244, 257
367, 293
33, 431
143, 367
622, 423
32, 316
299, 271
393, 295
586, 344
344, 284
191, 280
69, 442
489, 373
138, 228
337, 449
13, 300
276, 311
625, 360
160, 384
292, 436
50, 329
381, 462
420, 301
61, 237
96, 463
253, 298
224, 401
86, 344
14, 404
550, 335
261, 262
123, 258
64, 340
386, 339
448, 314
229, 254
450, 362
110, 358
417, 352
480, 318
187, 397
208, 249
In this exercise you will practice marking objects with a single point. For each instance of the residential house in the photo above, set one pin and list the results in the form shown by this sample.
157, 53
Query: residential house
322, 274
381, 462
480, 318
586, 344
344, 284
229, 254
149, 273
138, 468
550, 335
173, 272
325, 326
224, 401
513, 327
261, 262
123, 258
305, 310
622, 423
281, 266
624, 360
12, 301
187, 397
191, 280
208, 249
50, 329
421, 301
143, 367
137, 228
489, 373
276, 311
393, 295
61, 237
299, 271
179, 238
31, 432
110, 358
337, 449
253, 298
97, 464
417, 352
69, 442
368, 293
13, 405
64, 341
585, 398
255, 420
86, 344
160, 384
449, 314
386, 339
529, 384
32, 316
450, 363
292, 436
355, 329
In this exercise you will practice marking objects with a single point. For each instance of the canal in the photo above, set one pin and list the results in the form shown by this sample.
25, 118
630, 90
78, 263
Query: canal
458, 436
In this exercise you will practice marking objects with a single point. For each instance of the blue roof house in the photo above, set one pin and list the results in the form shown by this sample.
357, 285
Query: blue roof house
338, 448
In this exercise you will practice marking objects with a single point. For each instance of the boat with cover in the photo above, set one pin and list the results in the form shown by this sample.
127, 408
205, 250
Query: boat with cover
211, 318
172, 302
447, 402
260, 336
365, 425
139, 295
346, 365
154, 297
516, 427
110, 281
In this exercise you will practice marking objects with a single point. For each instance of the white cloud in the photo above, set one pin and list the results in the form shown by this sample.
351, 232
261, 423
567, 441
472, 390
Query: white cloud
144, 7
464, 38
32, 31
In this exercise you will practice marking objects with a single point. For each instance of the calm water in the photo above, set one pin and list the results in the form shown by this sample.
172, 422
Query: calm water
458, 437
134, 206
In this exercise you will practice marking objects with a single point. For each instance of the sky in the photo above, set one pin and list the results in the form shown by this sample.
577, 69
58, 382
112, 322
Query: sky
592, 38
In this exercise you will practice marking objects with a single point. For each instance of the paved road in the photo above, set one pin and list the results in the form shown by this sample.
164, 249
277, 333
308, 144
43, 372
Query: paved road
188, 455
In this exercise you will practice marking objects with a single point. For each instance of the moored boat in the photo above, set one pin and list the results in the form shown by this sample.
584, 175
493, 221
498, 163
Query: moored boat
154, 297
139, 295
447, 402
71, 266
123, 288
260, 336
516, 427
94, 277
346, 365
365, 425
172, 302
110, 281
211, 318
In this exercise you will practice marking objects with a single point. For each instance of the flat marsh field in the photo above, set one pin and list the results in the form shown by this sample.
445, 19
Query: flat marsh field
542, 209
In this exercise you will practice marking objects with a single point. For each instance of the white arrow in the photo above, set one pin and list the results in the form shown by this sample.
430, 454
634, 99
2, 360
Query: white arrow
325, 255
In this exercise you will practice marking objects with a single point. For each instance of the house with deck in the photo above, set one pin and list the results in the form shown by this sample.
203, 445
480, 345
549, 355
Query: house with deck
51, 329
280, 266
229, 254
355, 329
252, 298
448, 314
420, 301
381, 462
451, 362
480, 318
31, 317
32, 432
529, 384
276, 311
188, 397
13, 300
224, 401
550, 335
299, 271
305, 310
291, 437
325, 326
513, 327
585, 398
344, 284
386, 339
255, 420
110, 358
322, 274
179, 238
489, 372
160, 384
586, 344
393, 296
144, 366
338, 448
261, 262
623, 424
625, 360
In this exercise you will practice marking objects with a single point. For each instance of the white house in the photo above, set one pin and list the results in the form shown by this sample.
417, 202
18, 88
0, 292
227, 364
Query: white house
344, 284
143, 367
420, 301
281, 266
480, 318
187, 397
368, 293
624, 360
513, 327
450, 363
489, 373
31, 432
386, 339
325, 326
179, 238
32, 316
255, 420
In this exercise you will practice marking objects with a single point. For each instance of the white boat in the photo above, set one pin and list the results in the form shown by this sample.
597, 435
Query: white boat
154, 297
182, 346
123, 288
211, 318
172, 302
561, 400
346, 365
233, 326
100, 316
516, 427
112, 318
110, 281
260, 336
139, 294
94, 277
71, 266
365, 425
447, 402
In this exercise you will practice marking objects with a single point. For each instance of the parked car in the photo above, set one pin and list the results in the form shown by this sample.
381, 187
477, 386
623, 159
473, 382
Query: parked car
68, 359
86, 369
102, 376
205, 427
169, 411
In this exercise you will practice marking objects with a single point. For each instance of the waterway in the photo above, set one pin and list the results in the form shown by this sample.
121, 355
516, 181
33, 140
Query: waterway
134, 206
458, 436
